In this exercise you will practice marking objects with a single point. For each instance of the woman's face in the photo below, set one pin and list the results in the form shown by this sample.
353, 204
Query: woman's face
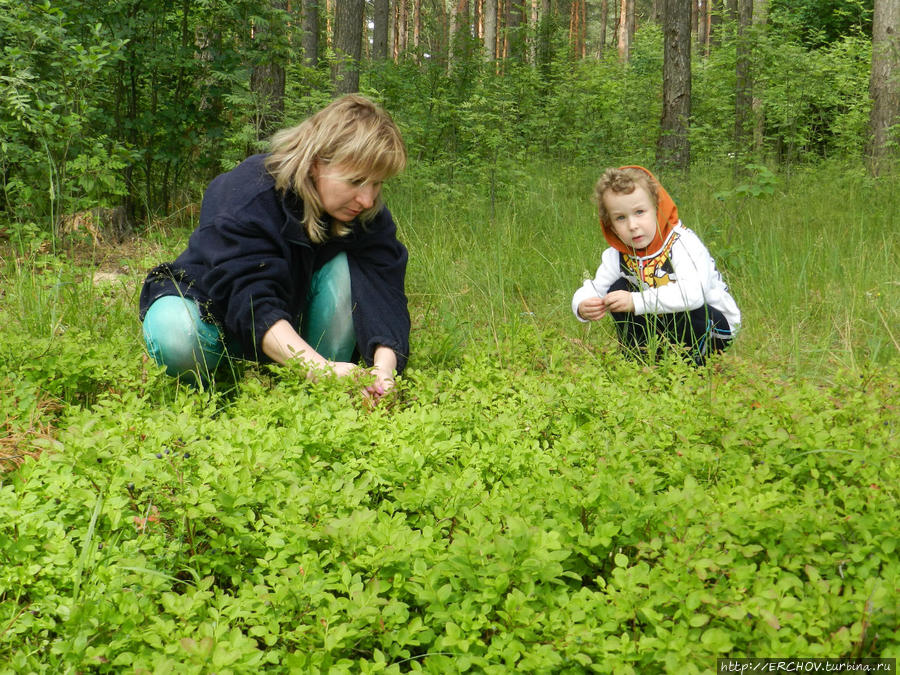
343, 198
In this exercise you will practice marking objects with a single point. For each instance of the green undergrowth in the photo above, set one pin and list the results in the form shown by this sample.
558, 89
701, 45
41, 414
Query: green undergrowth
547, 509
528, 499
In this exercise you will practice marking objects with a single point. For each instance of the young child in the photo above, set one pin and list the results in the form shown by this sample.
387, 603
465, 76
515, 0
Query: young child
657, 277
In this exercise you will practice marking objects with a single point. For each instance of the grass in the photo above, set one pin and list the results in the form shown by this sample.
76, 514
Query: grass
529, 500
811, 264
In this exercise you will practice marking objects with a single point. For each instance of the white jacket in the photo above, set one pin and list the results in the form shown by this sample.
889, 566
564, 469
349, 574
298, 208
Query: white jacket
679, 277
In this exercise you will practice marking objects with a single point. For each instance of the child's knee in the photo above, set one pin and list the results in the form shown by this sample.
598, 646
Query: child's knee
621, 284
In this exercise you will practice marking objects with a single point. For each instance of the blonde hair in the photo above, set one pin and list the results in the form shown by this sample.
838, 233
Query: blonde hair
351, 133
622, 182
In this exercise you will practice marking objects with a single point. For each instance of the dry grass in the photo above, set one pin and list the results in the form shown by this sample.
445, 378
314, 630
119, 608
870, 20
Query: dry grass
21, 438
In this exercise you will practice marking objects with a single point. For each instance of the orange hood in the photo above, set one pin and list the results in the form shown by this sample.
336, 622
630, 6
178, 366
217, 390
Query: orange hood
666, 219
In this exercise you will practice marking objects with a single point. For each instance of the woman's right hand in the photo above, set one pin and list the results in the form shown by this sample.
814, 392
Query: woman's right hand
342, 368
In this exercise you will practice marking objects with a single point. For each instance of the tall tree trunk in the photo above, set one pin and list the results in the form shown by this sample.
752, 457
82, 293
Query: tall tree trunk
451, 36
348, 23
629, 23
695, 17
622, 32
673, 148
309, 22
381, 18
417, 26
760, 18
395, 43
535, 24
544, 30
576, 28
490, 30
604, 20
703, 28
477, 26
267, 82
884, 87
404, 26
743, 98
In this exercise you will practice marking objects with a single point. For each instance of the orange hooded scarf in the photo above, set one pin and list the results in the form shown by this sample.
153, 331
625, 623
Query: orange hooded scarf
666, 219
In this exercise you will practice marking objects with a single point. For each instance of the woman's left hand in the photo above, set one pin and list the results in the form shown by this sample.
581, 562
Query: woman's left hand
385, 364
384, 382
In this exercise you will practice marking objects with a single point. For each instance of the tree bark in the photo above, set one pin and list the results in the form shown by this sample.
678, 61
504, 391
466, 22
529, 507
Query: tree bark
404, 26
381, 18
695, 17
348, 23
604, 20
309, 22
629, 23
622, 32
673, 147
703, 28
884, 88
743, 98
490, 30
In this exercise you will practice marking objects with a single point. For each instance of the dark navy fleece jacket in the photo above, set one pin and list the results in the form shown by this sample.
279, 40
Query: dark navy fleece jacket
249, 264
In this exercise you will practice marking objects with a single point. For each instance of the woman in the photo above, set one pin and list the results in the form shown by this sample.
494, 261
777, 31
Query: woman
295, 257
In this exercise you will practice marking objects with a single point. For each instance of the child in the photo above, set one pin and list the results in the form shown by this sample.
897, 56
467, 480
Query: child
657, 277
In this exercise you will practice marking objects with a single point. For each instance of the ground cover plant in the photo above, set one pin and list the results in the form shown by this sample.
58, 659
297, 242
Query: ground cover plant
528, 500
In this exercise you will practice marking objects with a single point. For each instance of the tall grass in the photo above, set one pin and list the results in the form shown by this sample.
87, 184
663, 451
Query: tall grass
812, 263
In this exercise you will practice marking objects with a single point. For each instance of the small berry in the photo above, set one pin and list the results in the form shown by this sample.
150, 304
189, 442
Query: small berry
167, 451
130, 487
158, 455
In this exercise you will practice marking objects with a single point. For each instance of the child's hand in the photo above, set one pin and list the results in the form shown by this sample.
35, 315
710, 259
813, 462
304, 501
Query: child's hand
592, 309
618, 301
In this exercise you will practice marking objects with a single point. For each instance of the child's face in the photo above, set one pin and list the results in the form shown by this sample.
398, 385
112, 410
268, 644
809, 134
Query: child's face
633, 216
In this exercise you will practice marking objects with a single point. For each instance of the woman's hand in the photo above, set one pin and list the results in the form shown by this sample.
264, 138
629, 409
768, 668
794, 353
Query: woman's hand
342, 368
385, 364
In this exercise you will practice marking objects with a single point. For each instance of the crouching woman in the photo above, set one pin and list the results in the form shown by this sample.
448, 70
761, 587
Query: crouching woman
295, 257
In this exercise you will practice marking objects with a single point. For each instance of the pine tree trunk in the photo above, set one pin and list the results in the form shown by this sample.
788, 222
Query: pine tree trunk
381, 19
622, 32
348, 23
417, 26
309, 22
604, 20
629, 23
703, 28
673, 148
490, 30
743, 99
884, 87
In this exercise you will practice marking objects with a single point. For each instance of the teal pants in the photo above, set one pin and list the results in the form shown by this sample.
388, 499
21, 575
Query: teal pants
179, 339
